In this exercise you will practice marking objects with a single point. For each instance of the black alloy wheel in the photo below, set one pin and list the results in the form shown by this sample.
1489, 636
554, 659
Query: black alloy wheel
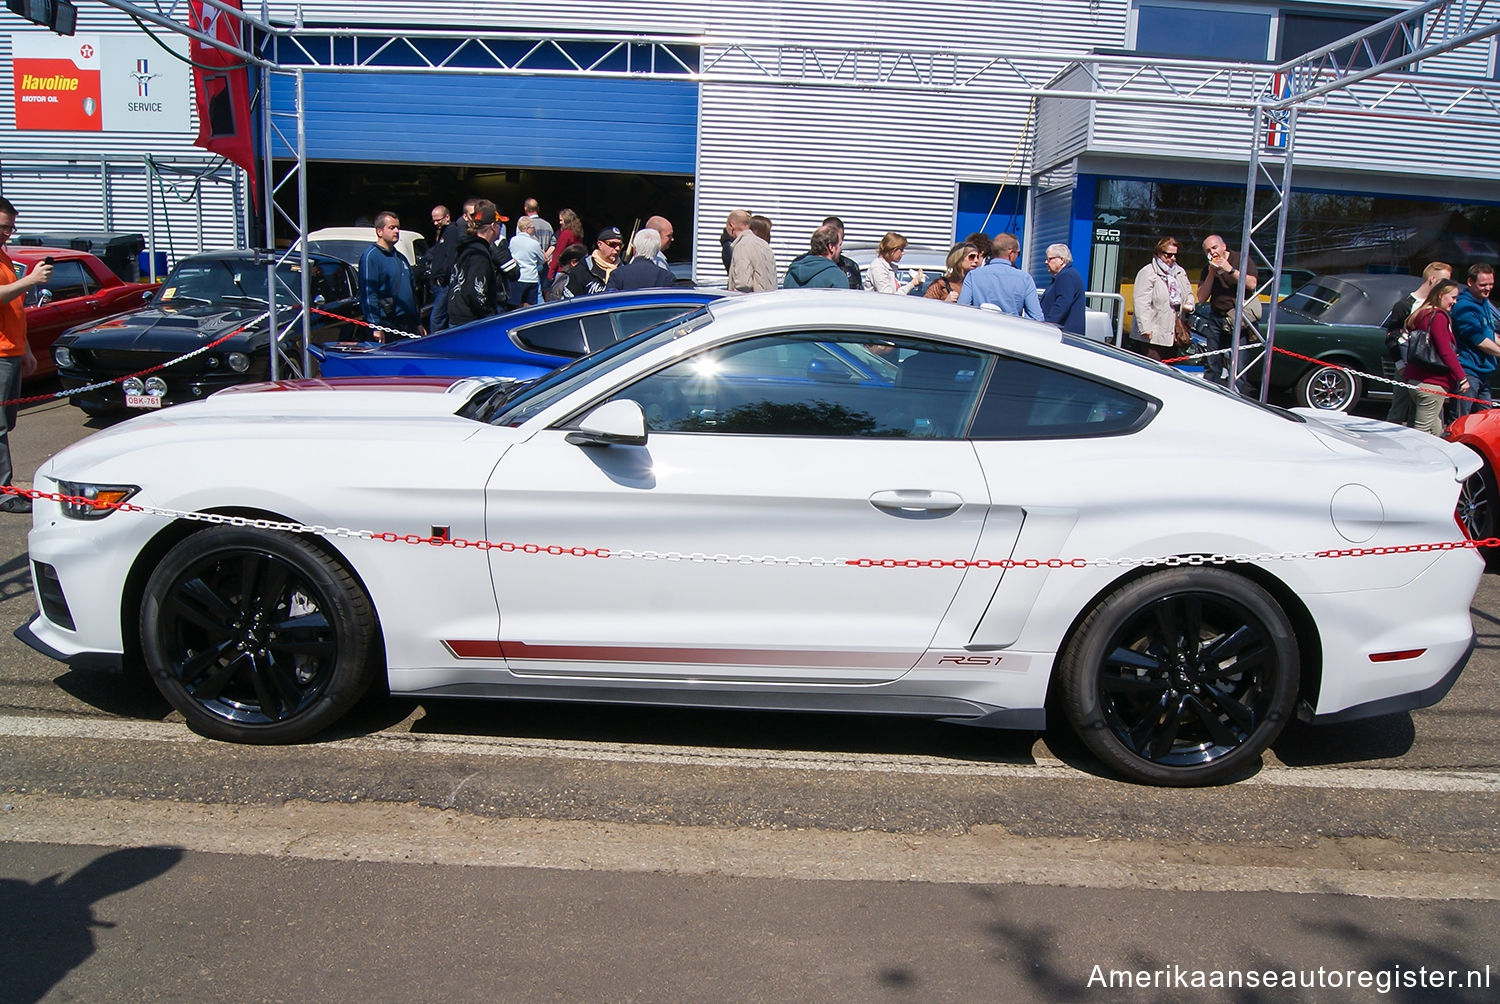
1182, 677
256, 636
1476, 508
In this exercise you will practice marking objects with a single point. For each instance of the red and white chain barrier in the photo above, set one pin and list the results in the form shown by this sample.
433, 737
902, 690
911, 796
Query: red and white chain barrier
55, 395
365, 324
698, 557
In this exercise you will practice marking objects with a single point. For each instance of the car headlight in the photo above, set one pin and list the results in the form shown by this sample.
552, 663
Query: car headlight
100, 499
239, 362
63, 356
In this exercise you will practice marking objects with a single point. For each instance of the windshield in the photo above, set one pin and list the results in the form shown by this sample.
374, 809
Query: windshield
215, 281
1315, 298
563, 381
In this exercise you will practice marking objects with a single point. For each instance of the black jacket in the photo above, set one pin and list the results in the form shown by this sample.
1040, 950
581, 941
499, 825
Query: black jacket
476, 285
587, 277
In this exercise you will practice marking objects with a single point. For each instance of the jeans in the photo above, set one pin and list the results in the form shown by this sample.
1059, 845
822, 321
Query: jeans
1479, 386
10, 389
438, 319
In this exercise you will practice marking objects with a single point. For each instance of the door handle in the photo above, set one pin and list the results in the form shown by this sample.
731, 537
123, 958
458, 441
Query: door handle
916, 502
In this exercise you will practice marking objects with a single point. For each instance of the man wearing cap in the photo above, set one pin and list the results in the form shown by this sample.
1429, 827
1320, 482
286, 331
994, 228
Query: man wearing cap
476, 287
592, 274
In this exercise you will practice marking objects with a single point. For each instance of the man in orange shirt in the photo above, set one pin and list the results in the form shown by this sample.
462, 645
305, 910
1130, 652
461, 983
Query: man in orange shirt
16, 360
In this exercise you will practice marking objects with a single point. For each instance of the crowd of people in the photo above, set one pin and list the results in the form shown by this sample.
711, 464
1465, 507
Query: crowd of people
473, 270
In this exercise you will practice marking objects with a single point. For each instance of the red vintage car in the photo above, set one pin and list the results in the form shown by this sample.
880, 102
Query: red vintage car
82, 289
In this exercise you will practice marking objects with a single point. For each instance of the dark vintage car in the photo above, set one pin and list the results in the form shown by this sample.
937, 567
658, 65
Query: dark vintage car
206, 297
1337, 320
82, 289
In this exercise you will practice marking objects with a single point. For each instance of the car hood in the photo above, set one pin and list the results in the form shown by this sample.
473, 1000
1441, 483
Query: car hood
157, 329
1349, 435
302, 411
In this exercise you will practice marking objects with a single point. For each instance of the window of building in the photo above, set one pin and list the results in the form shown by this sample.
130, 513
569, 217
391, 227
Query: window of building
1302, 33
1206, 30
1253, 33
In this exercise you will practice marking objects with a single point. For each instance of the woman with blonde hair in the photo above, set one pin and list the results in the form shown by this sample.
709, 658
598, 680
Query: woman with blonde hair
881, 275
1163, 295
962, 260
569, 231
1436, 377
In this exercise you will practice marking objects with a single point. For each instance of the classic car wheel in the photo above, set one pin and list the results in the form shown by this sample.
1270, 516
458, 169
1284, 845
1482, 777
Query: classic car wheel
1328, 388
1182, 677
256, 636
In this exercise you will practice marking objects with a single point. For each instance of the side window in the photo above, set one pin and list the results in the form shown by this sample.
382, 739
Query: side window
811, 384
1026, 401
70, 281
560, 337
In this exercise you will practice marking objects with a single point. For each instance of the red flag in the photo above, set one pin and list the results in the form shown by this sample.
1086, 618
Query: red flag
221, 87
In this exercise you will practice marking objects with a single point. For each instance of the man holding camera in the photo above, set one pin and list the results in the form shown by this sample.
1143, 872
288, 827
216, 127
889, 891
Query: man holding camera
16, 360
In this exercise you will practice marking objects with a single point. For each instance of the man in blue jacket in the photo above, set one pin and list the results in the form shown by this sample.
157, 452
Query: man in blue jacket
1062, 302
1474, 333
385, 288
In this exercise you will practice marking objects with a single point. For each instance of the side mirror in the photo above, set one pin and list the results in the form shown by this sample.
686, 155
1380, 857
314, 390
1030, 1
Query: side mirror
319, 300
618, 423
44, 297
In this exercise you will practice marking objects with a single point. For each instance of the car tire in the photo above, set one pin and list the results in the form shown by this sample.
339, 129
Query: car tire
1329, 388
1476, 509
257, 636
1182, 677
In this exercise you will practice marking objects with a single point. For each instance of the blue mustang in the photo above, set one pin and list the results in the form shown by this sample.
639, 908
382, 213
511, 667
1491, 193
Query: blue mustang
523, 343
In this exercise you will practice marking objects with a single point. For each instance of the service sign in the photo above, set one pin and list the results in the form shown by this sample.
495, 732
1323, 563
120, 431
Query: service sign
100, 83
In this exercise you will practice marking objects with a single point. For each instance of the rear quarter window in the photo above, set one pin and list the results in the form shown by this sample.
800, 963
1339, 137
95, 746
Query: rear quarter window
1024, 400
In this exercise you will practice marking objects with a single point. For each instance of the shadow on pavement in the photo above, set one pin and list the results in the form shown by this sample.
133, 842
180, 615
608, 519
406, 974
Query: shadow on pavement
47, 927
725, 729
1362, 741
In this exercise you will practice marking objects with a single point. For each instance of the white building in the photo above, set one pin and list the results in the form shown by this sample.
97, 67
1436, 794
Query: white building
893, 117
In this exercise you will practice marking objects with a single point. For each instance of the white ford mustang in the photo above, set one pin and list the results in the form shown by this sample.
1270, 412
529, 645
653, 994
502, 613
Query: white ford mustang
825, 501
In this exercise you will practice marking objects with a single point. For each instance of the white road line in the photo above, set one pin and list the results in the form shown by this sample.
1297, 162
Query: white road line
1360, 778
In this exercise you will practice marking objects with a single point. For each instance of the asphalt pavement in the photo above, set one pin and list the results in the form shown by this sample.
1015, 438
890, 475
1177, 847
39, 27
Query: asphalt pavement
480, 850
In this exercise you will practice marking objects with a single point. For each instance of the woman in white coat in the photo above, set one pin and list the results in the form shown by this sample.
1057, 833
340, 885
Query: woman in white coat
881, 274
1163, 294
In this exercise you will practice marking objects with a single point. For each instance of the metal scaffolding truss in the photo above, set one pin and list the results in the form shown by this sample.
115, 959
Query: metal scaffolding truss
1368, 73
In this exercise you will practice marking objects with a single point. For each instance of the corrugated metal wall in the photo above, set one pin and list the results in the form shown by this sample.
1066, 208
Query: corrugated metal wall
58, 182
882, 159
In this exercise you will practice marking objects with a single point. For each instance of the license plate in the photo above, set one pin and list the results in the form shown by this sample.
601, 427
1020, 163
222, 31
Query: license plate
142, 401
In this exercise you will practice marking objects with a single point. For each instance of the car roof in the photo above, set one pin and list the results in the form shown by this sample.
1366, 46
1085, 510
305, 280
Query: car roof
258, 255
36, 252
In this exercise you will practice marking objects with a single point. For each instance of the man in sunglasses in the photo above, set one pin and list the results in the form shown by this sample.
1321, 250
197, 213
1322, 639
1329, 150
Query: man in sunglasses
1217, 289
592, 274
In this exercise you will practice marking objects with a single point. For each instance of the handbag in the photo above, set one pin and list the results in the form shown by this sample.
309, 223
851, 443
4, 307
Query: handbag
1182, 338
1421, 350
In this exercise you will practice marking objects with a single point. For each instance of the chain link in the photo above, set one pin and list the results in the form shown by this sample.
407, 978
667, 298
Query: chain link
793, 561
